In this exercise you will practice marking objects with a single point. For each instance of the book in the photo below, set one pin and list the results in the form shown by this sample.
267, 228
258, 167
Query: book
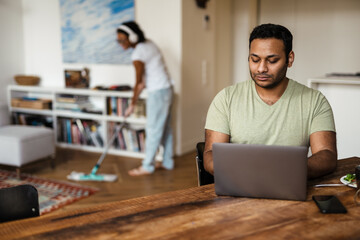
64, 131
70, 98
140, 108
75, 134
127, 139
86, 138
95, 136
121, 140
135, 141
125, 105
108, 106
88, 133
68, 131
141, 139
113, 106
74, 106
120, 110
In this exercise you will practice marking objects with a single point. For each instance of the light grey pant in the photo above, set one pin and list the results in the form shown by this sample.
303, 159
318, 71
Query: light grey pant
158, 128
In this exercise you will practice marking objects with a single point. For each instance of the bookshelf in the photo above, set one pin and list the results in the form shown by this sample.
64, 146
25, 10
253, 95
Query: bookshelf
82, 119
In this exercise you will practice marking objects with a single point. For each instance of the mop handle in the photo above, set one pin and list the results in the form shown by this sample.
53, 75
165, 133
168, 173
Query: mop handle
117, 130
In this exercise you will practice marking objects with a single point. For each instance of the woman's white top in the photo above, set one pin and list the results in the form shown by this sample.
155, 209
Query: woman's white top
156, 74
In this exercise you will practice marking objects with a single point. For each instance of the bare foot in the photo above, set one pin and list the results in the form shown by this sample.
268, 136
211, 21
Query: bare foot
140, 171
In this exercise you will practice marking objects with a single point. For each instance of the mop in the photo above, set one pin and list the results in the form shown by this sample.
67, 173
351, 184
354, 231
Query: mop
79, 176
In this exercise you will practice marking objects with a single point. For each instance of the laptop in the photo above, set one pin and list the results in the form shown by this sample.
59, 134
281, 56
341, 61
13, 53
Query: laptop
260, 171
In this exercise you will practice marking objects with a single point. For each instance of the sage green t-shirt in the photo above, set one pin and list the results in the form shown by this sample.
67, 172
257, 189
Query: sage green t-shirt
239, 112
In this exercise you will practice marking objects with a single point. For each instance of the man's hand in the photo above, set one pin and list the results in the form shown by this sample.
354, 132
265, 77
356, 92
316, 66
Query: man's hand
324, 154
210, 138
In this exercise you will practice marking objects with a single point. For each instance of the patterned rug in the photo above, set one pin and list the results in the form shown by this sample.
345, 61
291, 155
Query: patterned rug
53, 194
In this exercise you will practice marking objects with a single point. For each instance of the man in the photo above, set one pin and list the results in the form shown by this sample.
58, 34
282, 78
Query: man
273, 109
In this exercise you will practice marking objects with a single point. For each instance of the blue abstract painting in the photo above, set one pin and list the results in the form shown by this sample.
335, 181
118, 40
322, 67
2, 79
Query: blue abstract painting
88, 30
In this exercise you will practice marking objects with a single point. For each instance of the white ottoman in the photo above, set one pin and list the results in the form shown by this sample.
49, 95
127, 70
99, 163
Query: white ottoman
20, 144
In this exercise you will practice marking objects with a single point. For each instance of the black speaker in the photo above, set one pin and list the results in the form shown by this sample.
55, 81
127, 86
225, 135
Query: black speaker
18, 202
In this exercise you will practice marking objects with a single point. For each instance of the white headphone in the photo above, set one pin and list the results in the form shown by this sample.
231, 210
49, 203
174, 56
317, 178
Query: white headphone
133, 37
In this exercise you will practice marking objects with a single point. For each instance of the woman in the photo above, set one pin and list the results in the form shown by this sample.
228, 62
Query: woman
151, 73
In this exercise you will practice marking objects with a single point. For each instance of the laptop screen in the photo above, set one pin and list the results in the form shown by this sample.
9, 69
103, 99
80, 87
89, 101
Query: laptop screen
260, 171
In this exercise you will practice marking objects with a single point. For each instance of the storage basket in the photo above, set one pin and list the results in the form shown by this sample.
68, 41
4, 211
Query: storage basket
34, 104
27, 80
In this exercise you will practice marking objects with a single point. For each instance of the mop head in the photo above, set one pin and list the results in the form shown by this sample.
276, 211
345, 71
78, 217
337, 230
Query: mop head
79, 176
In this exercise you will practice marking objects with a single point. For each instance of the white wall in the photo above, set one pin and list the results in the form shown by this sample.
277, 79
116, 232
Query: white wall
326, 34
223, 44
194, 59
43, 57
244, 20
163, 25
198, 69
11, 44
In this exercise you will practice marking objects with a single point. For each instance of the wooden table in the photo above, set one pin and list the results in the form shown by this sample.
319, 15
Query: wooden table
197, 213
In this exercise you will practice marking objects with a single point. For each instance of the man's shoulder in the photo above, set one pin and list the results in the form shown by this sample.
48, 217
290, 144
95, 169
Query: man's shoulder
234, 90
303, 89
237, 87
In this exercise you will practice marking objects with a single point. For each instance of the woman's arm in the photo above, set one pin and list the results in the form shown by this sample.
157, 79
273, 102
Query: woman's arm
139, 86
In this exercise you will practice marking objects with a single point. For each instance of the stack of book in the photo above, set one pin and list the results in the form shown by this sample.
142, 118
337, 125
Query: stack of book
129, 138
73, 102
82, 132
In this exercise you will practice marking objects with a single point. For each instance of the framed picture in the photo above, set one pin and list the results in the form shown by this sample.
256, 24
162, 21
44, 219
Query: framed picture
77, 78
88, 30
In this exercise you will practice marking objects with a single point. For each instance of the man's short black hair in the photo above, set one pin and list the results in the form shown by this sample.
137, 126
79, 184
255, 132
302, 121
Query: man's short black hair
135, 28
270, 30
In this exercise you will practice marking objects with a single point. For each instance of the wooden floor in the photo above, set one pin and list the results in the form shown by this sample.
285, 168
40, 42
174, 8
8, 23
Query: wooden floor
126, 187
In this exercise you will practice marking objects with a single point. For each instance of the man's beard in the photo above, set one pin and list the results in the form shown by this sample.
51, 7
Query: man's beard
274, 83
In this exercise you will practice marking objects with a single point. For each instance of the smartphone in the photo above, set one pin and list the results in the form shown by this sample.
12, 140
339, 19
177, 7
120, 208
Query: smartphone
329, 204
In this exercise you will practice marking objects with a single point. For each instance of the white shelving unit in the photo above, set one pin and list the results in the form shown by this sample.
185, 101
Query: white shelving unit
315, 82
98, 97
343, 94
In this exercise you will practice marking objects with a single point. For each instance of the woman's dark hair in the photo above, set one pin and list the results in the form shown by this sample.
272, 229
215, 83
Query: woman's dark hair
270, 30
135, 28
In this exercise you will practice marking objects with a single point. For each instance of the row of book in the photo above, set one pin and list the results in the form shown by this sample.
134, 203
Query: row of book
88, 132
128, 138
117, 106
31, 119
82, 132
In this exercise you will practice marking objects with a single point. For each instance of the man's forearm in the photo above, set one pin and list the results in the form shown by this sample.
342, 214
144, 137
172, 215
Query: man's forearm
208, 162
210, 138
321, 163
